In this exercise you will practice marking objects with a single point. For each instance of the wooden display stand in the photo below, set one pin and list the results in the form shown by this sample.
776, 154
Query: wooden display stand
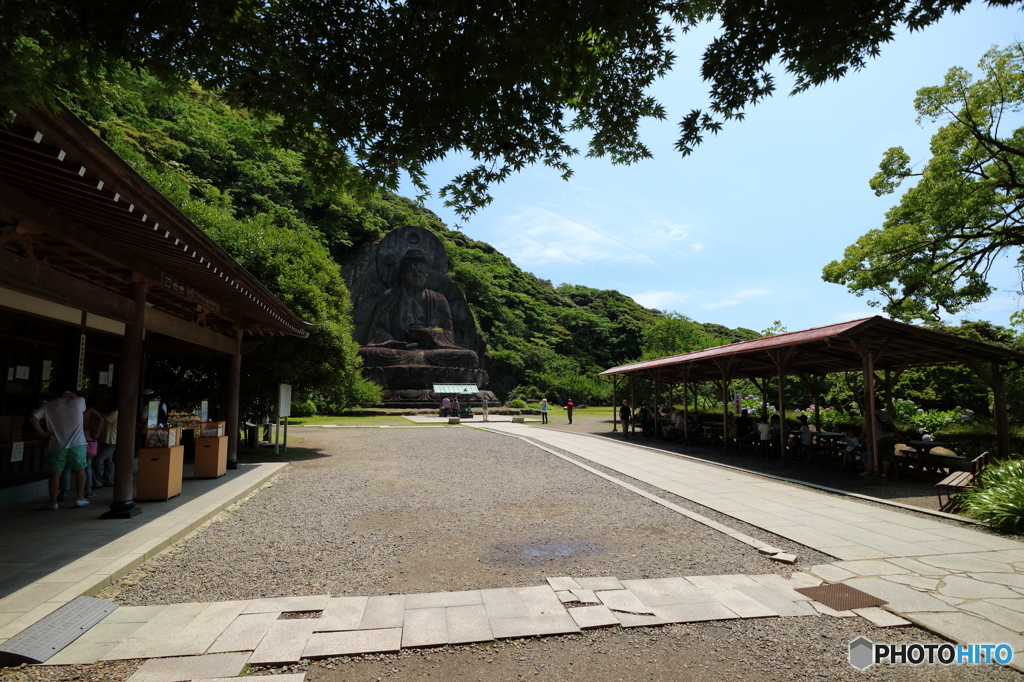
211, 457
160, 472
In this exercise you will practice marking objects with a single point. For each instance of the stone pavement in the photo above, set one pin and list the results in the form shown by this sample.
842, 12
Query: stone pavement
195, 641
48, 559
964, 584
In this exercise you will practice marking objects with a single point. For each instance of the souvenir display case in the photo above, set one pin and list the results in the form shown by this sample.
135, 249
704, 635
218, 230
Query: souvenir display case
160, 464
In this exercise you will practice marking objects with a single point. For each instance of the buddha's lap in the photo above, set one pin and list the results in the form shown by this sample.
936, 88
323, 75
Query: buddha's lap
436, 357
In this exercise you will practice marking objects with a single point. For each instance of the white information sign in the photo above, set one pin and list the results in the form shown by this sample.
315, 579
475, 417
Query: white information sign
284, 400
17, 451
205, 411
153, 413
22, 372
47, 366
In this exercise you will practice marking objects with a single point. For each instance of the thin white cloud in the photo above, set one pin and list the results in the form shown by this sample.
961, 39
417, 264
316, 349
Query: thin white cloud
543, 237
734, 299
661, 300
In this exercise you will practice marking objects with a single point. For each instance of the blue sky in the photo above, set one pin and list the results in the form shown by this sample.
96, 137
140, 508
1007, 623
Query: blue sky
738, 232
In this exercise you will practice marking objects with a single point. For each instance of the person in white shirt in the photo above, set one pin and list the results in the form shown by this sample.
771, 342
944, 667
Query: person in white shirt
67, 445
852, 445
764, 432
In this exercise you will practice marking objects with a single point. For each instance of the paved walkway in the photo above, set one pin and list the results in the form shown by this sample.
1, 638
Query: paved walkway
964, 584
48, 558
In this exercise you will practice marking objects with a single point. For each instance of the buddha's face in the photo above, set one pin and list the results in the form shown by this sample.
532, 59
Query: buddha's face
414, 275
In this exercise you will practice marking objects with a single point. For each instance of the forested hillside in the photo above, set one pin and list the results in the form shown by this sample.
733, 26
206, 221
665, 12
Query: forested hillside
225, 170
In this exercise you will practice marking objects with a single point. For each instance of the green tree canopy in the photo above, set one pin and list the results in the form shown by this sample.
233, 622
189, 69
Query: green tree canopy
368, 88
937, 245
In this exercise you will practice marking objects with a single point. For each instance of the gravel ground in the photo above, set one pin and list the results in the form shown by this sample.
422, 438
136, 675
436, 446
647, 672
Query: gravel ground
423, 510
379, 511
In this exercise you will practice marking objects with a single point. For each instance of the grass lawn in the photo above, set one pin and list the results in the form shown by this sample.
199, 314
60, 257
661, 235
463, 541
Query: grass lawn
382, 420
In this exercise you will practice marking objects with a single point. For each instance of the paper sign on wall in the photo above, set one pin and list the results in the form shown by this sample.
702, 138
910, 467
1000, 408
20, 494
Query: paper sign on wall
205, 411
22, 372
10, 374
17, 451
47, 367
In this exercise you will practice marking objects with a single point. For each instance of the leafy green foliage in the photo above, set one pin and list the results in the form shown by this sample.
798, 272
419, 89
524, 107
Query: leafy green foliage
220, 167
937, 245
367, 89
999, 499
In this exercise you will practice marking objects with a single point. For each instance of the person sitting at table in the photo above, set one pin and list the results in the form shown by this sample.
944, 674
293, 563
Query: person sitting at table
696, 428
650, 421
852, 451
885, 443
802, 443
669, 430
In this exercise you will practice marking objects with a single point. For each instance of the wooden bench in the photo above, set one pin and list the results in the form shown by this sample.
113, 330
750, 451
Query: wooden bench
961, 480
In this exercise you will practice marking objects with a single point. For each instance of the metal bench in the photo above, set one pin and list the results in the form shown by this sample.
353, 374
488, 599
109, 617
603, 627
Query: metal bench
961, 480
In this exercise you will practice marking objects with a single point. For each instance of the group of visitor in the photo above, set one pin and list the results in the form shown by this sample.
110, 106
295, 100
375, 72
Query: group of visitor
80, 445
764, 436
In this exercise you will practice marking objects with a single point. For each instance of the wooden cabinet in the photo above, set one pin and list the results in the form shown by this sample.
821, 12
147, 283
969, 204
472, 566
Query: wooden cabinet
211, 457
160, 472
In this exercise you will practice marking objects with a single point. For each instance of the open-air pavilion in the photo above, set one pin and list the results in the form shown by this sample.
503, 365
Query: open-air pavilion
97, 270
869, 345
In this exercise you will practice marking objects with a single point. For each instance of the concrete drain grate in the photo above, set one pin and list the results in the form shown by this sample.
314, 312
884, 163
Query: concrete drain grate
841, 597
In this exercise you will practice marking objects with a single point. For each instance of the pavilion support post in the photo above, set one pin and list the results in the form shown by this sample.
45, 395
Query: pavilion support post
656, 413
123, 506
234, 388
686, 414
999, 410
632, 402
782, 412
725, 413
869, 407
615, 405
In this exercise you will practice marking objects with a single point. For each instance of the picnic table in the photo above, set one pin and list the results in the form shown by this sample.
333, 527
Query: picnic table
920, 455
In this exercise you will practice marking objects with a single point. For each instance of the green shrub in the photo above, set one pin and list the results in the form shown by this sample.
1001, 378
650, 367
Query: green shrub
517, 403
303, 408
999, 499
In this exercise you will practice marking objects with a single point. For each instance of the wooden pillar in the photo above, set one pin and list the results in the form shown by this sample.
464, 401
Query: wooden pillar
234, 383
656, 407
725, 413
686, 414
128, 389
633, 405
999, 410
869, 407
615, 405
782, 411
764, 397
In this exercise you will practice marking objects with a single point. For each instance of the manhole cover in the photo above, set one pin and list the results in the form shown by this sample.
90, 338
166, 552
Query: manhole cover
841, 597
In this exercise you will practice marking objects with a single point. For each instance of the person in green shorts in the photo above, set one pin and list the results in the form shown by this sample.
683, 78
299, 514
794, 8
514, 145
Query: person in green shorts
63, 419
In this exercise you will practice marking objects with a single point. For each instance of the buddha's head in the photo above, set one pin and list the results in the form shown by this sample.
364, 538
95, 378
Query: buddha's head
414, 269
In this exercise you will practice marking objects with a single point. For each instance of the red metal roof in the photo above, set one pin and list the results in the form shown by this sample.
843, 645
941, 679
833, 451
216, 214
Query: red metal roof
821, 350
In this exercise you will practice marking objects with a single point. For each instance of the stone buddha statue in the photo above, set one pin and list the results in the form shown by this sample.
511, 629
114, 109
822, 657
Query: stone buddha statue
412, 325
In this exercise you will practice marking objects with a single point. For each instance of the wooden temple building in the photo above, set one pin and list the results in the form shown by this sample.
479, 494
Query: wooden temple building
97, 270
